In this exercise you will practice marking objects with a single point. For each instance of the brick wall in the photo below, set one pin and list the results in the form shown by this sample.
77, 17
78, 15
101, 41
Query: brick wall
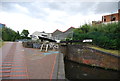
83, 54
119, 14
107, 18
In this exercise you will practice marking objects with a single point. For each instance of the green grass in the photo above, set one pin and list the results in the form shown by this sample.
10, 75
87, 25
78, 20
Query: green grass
115, 52
1, 44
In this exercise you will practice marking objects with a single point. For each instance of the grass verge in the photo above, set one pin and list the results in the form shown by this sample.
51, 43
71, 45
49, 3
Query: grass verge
1, 44
115, 52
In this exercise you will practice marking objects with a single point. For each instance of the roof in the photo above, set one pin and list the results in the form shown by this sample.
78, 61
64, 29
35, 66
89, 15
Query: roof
46, 39
65, 30
57, 30
110, 14
69, 28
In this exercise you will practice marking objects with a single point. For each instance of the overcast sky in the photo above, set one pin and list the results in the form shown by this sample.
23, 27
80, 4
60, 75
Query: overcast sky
51, 15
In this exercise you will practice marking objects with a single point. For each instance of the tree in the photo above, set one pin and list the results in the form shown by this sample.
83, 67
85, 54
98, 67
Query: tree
85, 28
25, 33
17, 35
8, 34
103, 35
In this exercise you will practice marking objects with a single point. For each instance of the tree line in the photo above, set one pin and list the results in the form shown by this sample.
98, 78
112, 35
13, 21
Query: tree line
9, 34
103, 35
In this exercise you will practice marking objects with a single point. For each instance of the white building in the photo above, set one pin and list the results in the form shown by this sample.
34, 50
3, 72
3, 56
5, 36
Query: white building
35, 35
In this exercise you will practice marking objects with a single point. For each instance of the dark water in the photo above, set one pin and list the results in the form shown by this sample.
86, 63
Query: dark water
80, 71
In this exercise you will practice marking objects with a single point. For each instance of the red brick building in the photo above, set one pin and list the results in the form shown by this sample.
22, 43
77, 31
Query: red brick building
119, 14
111, 17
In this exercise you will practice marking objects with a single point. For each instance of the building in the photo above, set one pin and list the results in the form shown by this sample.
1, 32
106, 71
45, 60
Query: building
36, 35
110, 18
96, 23
2, 25
115, 17
56, 35
119, 11
59, 35
119, 15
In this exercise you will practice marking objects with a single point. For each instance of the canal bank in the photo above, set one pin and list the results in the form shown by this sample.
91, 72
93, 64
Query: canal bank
59, 69
82, 62
74, 71
82, 54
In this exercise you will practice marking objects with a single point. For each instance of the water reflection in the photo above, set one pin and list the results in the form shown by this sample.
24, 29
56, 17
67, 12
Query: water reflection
79, 71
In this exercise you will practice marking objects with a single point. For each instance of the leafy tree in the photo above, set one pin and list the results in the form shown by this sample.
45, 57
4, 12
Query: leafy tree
103, 35
8, 34
17, 37
25, 33
85, 28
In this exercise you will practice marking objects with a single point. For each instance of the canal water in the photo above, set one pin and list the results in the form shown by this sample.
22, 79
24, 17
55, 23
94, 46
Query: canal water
75, 70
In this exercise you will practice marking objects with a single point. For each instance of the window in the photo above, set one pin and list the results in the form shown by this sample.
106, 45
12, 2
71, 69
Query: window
113, 18
104, 19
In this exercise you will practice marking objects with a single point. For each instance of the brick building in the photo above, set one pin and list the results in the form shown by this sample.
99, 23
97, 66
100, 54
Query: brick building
115, 17
119, 15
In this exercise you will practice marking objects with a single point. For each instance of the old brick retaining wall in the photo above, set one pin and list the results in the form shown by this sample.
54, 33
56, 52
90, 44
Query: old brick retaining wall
83, 54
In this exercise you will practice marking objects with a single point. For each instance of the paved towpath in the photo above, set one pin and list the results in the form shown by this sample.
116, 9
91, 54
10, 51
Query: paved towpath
40, 64
27, 63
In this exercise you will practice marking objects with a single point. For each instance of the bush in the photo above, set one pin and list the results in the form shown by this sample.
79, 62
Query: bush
103, 35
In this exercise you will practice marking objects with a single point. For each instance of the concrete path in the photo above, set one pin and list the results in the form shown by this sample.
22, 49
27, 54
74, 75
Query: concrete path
3, 49
28, 63
13, 65
40, 66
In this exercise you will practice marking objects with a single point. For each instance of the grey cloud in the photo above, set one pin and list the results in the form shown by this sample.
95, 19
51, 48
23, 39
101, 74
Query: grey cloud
36, 9
106, 7
85, 7
72, 7
118, 4
7, 6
